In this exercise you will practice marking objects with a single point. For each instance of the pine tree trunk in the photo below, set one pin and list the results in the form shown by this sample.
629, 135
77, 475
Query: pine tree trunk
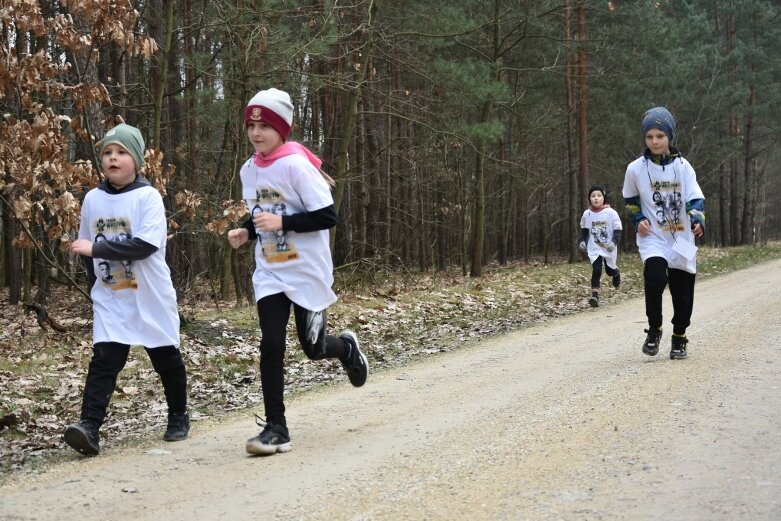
747, 230
582, 102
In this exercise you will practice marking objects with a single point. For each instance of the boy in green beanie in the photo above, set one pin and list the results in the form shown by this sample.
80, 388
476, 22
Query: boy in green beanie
133, 302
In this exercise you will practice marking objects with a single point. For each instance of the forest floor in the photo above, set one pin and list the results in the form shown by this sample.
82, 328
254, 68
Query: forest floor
479, 406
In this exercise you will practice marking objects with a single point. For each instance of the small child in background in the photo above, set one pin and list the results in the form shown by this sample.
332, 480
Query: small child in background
600, 235
123, 234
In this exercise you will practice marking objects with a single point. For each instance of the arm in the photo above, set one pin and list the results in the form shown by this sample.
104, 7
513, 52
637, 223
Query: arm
617, 236
90, 268
250, 227
634, 211
583, 244
321, 219
303, 222
696, 210
132, 249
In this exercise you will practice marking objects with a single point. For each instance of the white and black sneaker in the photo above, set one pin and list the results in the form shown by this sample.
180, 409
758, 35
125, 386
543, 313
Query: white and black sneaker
678, 347
651, 344
355, 364
272, 439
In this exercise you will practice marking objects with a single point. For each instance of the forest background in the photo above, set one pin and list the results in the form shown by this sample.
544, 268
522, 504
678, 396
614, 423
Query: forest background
458, 133
461, 135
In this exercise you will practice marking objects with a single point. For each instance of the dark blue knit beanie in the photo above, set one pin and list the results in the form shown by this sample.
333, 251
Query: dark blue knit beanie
597, 188
659, 117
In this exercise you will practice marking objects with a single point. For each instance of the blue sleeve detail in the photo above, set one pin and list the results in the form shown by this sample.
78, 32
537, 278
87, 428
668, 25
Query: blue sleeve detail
696, 210
633, 210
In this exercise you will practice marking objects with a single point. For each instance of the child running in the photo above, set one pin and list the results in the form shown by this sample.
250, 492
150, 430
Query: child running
600, 235
291, 210
666, 206
133, 302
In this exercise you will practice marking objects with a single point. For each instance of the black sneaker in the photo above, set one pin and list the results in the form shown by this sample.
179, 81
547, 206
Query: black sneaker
272, 439
83, 437
651, 344
594, 301
616, 280
178, 426
356, 364
678, 351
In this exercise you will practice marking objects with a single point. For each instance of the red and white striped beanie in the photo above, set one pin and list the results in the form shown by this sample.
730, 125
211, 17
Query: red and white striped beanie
272, 107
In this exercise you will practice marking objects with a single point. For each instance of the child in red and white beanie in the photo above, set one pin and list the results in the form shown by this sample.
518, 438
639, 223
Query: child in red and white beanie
272, 107
291, 209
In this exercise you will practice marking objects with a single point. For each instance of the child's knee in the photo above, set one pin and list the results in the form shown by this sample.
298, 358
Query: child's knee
314, 351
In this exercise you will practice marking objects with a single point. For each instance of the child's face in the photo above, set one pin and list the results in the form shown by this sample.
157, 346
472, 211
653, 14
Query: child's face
657, 142
263, 137
597, 199
118, 165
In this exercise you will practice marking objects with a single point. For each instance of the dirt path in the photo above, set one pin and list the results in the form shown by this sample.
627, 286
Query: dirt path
567, 420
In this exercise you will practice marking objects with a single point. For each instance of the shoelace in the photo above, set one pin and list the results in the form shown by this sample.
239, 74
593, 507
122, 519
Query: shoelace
260, 422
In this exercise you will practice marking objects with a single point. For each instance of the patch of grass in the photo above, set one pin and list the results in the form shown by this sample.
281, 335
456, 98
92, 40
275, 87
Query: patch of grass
714, 261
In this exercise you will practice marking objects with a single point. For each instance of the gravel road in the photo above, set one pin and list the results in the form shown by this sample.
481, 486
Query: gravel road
564, 420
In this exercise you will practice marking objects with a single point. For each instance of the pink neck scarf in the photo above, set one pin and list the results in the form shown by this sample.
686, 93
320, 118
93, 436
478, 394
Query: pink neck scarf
289, 148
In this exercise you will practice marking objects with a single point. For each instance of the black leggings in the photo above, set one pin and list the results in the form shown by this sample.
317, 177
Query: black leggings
108, 359
657, 276
274, 313
596, 271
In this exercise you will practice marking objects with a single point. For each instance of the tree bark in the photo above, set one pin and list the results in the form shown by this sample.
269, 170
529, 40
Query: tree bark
582, 102
572, 173
747, 229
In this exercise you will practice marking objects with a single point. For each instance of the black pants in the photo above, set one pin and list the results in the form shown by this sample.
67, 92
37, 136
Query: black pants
108, 359
596, 271
274, 313
657, 276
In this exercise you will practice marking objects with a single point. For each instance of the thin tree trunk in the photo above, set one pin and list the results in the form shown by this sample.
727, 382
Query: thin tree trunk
478, 229
747, 230
723, 206
162, 80
348, 128
572, 174
582, 102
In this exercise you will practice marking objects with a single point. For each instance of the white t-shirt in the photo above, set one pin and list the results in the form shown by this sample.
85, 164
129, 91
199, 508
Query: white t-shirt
664, 191
601, 224
134, 302
296, 264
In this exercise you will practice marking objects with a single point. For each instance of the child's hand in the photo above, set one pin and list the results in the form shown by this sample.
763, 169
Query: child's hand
583, 247
238, 237
698, 230
82, 247
609, 246
644, 227
267, 222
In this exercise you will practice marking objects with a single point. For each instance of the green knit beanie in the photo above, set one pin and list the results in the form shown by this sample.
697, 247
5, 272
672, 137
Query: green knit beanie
128, 138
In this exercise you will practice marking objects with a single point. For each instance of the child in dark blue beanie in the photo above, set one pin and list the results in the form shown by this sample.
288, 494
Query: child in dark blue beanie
666, 207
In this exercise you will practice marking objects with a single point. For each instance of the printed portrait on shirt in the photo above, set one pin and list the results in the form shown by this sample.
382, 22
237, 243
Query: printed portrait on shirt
668, 205
599, 231
114, 274
275, 246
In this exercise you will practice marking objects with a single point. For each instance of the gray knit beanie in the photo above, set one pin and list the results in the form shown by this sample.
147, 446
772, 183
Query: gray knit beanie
127, 137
